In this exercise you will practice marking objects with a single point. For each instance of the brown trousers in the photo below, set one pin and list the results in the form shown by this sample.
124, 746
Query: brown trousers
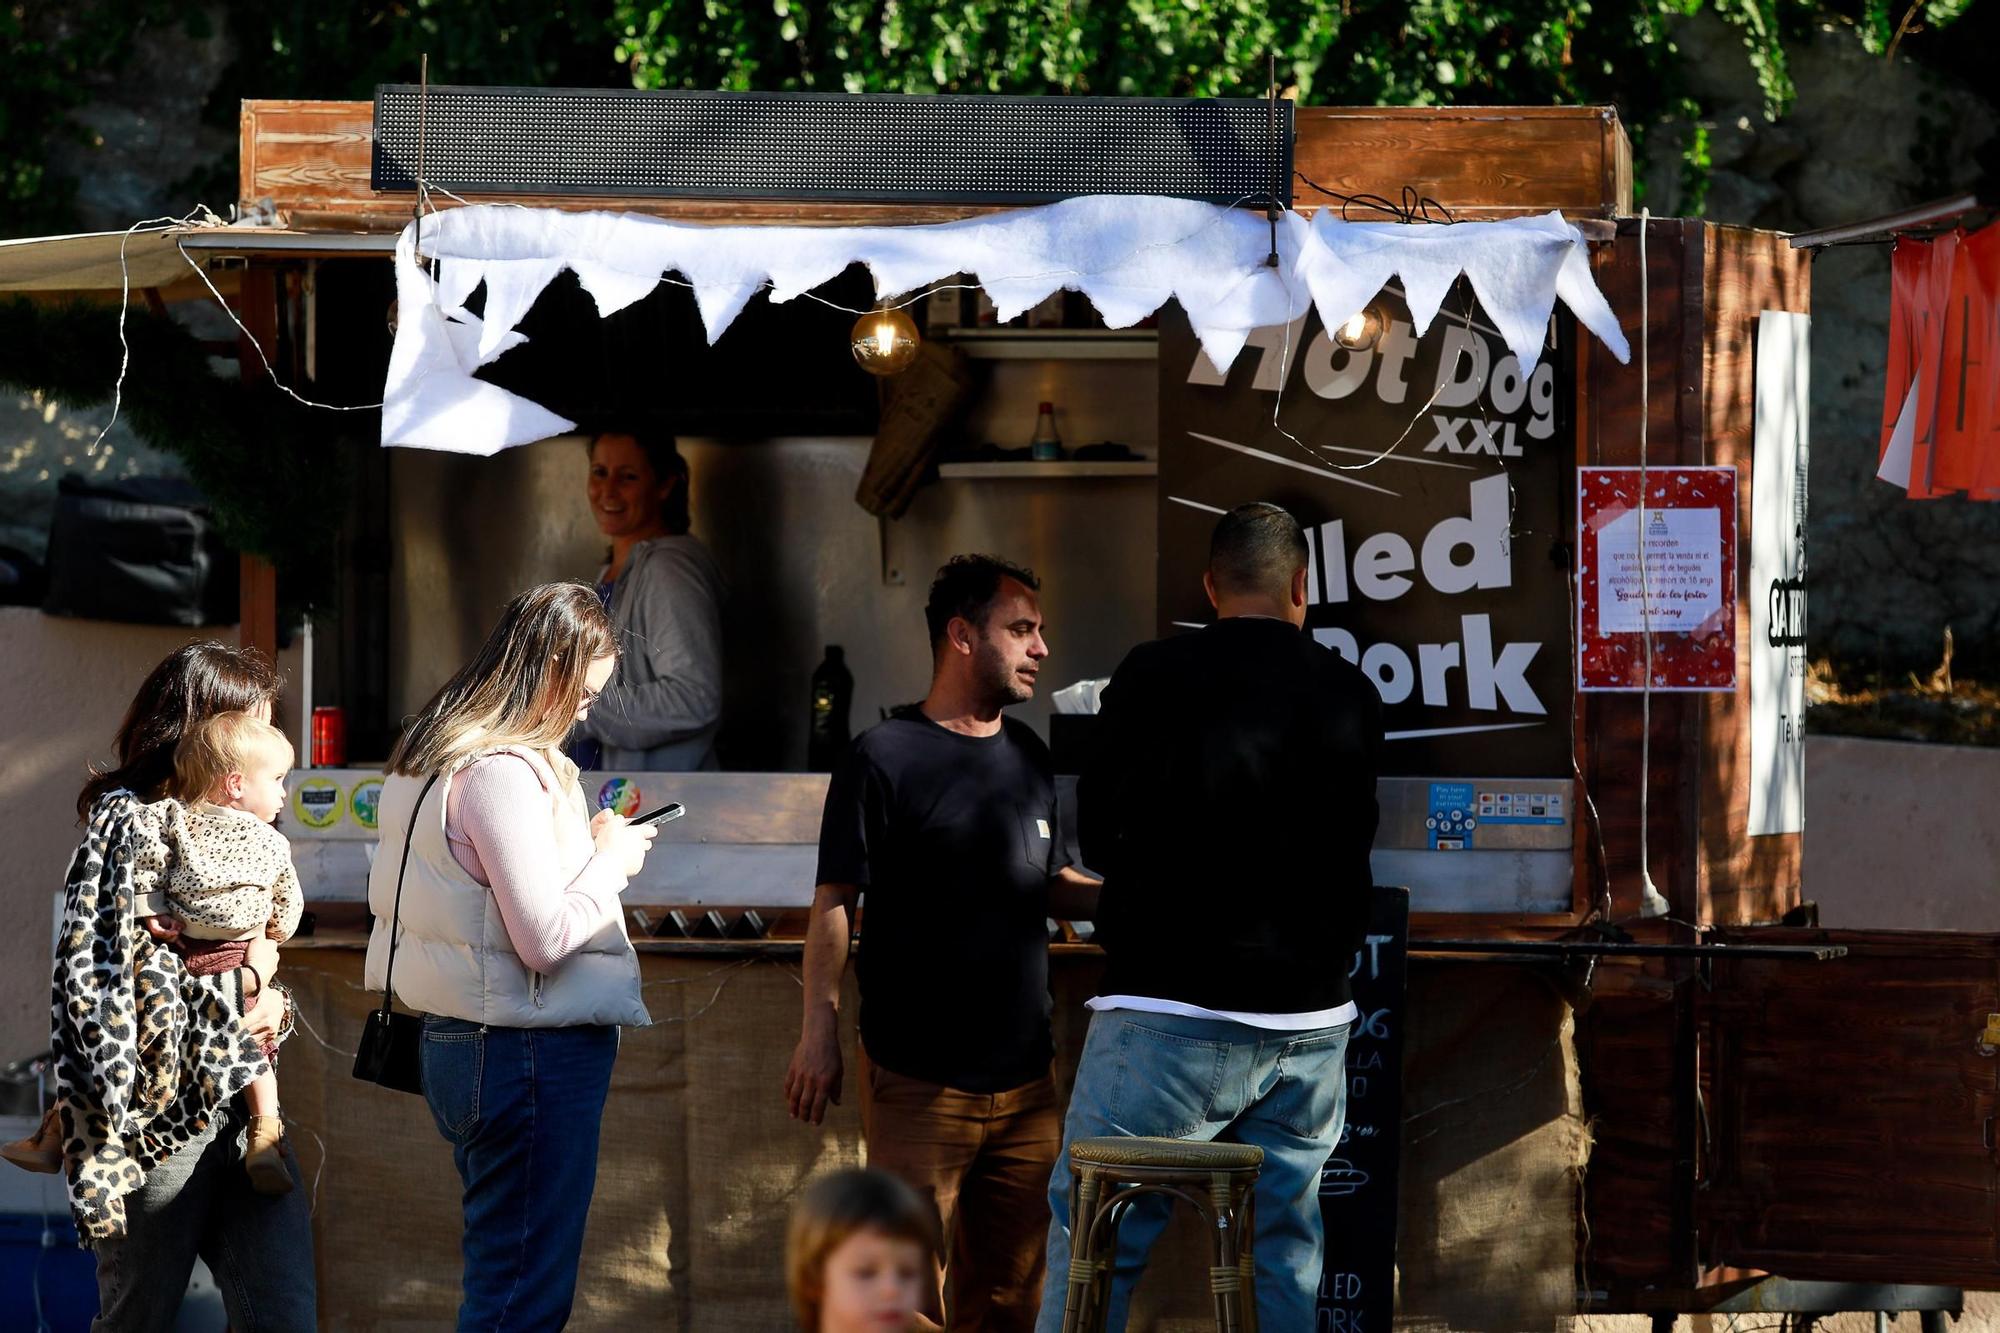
983, 1161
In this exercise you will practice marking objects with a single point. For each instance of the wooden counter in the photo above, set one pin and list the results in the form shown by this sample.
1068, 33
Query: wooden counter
699, 1161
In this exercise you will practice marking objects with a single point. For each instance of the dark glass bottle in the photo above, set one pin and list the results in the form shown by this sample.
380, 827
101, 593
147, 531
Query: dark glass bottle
832, 693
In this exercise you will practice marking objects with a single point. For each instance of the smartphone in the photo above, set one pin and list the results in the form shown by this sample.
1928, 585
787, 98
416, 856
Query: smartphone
672, 810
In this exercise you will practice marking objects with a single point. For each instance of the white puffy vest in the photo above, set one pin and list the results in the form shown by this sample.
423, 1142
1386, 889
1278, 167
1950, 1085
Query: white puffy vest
453, 956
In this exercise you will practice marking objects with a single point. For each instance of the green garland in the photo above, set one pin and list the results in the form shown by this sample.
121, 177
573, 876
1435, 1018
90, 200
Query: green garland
274, 474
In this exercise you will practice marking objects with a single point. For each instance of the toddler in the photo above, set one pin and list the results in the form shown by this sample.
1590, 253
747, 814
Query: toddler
231, 880
860, 1249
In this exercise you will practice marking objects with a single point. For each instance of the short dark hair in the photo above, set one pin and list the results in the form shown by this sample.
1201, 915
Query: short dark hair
966, 586
663, 455
840, 1205
1257, 548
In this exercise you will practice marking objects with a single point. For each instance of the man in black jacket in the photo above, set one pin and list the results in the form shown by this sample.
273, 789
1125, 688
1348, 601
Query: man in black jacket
1231, 811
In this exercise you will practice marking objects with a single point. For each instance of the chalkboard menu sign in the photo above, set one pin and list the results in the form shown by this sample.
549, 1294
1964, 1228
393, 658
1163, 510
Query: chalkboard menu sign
1433, 479
1357, 1189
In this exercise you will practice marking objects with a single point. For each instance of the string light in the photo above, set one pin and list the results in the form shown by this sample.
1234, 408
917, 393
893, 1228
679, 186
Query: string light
1361, 330
884, 341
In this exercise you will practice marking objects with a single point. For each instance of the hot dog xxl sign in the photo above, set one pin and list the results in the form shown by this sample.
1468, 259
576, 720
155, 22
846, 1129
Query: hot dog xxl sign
1432, 476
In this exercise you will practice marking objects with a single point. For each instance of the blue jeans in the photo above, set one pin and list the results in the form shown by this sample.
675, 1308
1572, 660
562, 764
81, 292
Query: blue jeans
1198, 1078
520, 1108
199, 1202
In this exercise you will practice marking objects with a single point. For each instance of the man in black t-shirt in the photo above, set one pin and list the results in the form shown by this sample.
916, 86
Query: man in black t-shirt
944, 818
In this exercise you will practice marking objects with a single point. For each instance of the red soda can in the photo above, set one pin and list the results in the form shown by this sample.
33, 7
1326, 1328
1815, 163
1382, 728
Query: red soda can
329, 738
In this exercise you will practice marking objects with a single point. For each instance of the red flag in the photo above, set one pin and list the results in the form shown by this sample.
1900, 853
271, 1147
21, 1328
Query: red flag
1909, 263
1921, 273
1971, 420
1968, 369
1931, 369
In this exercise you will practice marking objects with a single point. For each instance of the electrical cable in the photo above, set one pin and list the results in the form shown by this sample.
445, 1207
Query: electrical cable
1415, 207
1652, 902
251, 338
48, 1239
125, 304
1444, 379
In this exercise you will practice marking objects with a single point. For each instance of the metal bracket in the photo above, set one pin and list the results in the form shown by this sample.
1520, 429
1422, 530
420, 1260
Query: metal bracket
1563, 949
892, 573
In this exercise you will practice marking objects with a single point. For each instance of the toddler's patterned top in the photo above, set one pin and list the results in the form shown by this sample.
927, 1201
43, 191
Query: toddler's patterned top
230, 874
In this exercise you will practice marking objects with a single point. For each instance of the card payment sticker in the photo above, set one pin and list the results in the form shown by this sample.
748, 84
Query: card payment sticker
1451, 820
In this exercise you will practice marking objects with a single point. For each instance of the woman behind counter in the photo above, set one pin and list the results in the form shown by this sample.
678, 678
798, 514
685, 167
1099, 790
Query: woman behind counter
664, 592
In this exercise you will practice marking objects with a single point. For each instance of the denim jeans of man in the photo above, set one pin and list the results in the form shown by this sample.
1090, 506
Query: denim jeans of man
1202, 1079
199, 1202
520, 1108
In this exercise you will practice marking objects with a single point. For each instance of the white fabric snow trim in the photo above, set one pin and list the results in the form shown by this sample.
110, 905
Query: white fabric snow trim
1129, 255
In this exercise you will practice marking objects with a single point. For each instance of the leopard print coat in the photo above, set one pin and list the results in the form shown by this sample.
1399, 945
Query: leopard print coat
144, 1054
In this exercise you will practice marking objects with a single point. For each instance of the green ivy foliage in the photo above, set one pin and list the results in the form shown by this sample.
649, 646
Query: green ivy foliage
53, 53
1880, 20
50, 54
1367, 52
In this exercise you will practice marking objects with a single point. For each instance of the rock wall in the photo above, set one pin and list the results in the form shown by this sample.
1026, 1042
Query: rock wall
1865, 137
145, 150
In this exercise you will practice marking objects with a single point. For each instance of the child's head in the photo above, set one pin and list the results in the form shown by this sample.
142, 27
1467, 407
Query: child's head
236, 760
859, 1254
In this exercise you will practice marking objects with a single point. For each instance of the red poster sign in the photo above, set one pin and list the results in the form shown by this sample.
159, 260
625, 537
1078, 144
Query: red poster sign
1667, 567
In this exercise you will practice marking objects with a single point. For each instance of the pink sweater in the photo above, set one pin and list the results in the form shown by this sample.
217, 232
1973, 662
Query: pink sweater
548, 915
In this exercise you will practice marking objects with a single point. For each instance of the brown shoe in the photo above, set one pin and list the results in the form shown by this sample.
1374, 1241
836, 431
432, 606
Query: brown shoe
43, 1152
264, 1156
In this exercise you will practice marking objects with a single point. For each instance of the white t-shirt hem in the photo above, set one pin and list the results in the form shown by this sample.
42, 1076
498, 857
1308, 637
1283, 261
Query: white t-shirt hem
1144, 1004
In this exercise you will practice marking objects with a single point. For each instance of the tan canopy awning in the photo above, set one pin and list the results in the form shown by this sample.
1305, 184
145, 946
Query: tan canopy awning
90, 264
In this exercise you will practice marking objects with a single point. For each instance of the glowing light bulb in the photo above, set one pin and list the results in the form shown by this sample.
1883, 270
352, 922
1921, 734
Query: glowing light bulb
1361, 330
884, 342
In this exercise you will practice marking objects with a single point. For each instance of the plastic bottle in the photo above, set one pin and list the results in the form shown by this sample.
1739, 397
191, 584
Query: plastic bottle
1046, 447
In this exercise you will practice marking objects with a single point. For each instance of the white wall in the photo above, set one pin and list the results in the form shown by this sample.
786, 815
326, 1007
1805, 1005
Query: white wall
1902, 835
64, 686
806, 568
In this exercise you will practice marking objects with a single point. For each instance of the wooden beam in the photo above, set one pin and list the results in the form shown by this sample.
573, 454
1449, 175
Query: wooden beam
312, 162
257, 626
257, 623
1744, 880
306, 154
1610, 431
1479, 162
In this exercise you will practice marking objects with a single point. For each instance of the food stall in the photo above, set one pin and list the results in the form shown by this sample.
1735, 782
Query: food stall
1599, 1077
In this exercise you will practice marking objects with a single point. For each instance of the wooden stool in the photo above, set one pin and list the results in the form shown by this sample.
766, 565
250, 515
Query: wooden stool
1217, 1180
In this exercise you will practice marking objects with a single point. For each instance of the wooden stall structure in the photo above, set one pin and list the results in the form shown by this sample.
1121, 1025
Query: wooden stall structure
1815, 1120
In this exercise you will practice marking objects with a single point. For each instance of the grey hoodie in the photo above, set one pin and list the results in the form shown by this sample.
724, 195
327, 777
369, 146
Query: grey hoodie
664, 705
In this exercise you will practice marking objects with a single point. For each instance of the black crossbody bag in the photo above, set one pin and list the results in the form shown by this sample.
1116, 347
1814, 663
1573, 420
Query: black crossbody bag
390, 1051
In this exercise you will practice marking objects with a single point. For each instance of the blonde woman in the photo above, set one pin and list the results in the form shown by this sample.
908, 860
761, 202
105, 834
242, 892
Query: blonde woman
512, 944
